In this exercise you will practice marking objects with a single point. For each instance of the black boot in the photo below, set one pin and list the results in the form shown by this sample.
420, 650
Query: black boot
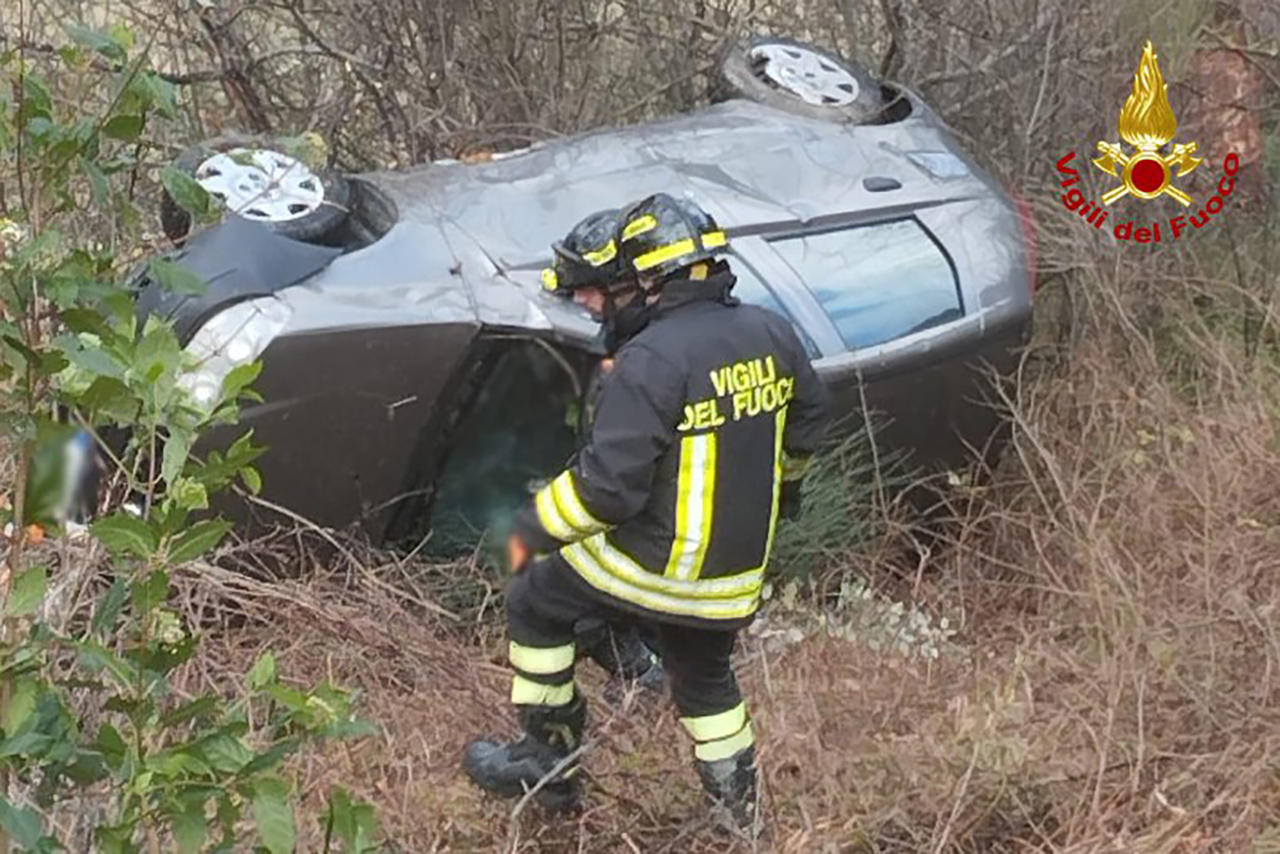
730, 784
512, 768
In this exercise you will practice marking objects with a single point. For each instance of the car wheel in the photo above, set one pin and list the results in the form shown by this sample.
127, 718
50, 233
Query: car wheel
253, 179
801, 79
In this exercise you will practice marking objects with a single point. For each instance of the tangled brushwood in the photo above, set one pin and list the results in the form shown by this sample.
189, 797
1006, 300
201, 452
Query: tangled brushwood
1078, 651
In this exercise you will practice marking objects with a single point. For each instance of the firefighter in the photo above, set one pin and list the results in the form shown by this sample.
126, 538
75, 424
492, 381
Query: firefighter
704, 428
587, 257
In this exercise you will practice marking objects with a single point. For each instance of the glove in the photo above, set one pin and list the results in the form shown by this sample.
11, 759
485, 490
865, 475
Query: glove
790, 500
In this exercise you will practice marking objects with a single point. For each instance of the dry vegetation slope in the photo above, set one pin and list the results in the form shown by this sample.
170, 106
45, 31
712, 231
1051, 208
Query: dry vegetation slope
1113, 686
1113, 682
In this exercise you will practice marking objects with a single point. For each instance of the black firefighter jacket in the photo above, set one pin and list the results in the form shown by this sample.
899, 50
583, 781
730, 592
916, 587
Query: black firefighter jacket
671, 505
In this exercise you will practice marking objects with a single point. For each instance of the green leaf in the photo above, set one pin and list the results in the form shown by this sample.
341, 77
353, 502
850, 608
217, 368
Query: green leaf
116, 838
189, 494
125, 534
186, 191
30, 743
37, 100
187, 711
189, 827
264, 671
150, 591
124, 128
273, 815
92, 359
112, 746
108, 610
198, 539
163, 95
95, 657
158, 354
252, 479
226, 753
239, 378
176, 764
98, 41
86, 769
110, 398
23, 825
291, 698
268, 759
21, 704
30, 356
97, 181
28, 592
352, 822
177, 447
175, 278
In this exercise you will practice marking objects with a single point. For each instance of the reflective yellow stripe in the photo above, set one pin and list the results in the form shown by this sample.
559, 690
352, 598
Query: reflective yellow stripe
712, 751
525, 692
542, 660
708, 505
602, 256
695, 502
710, 240
562, 513
664, 253
550, 280
550, 517
779, 427
713, 727
682, 507
711, 599
794, 468
573, 511
639, 226
614, 561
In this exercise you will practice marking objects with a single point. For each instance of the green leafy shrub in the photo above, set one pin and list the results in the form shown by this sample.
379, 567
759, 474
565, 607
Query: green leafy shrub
87, 706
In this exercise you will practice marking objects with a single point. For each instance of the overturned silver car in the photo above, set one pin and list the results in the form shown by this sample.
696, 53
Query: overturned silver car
417, 378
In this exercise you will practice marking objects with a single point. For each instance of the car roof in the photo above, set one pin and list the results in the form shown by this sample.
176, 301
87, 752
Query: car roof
471, 238
745, 163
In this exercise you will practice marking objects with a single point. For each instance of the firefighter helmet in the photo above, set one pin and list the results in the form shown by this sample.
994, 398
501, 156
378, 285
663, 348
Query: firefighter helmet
587, 256
661, 234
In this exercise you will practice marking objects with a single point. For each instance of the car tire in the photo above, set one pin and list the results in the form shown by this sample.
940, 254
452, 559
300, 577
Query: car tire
799, 78
312, 226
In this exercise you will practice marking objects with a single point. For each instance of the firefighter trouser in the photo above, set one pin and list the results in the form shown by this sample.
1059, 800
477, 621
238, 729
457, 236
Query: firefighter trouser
547, 599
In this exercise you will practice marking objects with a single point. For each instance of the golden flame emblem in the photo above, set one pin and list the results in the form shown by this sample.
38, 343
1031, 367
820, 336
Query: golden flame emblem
1147, 123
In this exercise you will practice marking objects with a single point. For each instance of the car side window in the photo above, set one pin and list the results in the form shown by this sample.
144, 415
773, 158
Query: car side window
752, 290
876, 282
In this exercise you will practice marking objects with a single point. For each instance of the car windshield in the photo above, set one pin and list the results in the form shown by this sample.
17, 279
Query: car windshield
876, 282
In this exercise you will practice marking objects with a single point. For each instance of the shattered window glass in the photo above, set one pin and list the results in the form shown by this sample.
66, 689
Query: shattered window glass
876, 282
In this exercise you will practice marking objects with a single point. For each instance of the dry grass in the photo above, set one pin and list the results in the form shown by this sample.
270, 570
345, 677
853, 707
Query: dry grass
1113, 687
1114, 684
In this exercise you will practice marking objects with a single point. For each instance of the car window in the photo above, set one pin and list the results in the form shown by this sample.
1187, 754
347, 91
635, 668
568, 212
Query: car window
876, 282
752, 290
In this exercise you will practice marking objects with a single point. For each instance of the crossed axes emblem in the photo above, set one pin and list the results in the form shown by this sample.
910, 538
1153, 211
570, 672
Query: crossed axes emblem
1115, 162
